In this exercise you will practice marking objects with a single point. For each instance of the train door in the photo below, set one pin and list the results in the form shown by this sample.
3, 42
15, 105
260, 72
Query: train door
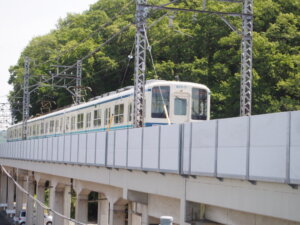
180, 113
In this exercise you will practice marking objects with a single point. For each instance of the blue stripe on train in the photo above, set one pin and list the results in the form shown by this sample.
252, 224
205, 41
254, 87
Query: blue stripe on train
88, 131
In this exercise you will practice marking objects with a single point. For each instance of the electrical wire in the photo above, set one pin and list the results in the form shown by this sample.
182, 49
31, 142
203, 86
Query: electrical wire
123, 29
38, 201
130, 57
154, 68
121, 12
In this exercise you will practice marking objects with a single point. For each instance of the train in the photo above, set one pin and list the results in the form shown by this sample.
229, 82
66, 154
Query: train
166, 102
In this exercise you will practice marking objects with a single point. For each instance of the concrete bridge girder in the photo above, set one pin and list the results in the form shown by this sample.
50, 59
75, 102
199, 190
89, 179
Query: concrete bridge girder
267, 202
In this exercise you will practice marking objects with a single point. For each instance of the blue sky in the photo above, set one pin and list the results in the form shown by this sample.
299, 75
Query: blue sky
21, 20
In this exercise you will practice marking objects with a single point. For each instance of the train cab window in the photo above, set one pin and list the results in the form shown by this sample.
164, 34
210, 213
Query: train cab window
107, 116
42, 128
56, 125
97, 118
73, 118
160, 98
51, 126
88, 120
130, 112
80, 118
180, 105
119, 113
199, 104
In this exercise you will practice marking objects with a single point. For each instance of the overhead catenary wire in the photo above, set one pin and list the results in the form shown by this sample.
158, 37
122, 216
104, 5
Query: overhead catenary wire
62, 53
101, 27
154, 68
123, 29
130, 57
38, 201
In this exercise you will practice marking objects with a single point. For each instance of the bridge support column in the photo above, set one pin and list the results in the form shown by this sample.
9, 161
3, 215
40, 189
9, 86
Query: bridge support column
40, 192
111, 213
139, 215
20, 197
60, 199
182, 211
81, 212
10, 193
67, 203
59, 205
52, 199
130, 221
145, 216
118, 212
103, 210
3, 188
29, 205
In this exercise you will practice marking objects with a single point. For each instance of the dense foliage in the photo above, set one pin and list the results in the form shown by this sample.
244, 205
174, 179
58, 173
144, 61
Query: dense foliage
192, 47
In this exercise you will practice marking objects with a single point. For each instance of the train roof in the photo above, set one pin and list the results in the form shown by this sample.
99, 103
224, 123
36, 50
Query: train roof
111, 95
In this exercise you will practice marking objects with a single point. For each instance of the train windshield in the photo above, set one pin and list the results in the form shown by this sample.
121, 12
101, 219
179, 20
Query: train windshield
160, 97
199, 104
180, 106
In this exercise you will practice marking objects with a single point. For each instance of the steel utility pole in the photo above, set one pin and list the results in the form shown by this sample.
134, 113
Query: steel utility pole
246, 64
26, 98
247, 30
140, 64
78, 82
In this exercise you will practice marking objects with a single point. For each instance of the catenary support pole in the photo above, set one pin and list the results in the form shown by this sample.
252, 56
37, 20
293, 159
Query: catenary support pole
140, 64
246, 64
26, 97
78, 82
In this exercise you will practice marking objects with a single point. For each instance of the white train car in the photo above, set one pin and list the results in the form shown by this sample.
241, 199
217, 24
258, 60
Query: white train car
165, 102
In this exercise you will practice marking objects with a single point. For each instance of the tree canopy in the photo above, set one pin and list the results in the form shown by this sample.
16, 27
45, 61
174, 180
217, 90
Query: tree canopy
191, 47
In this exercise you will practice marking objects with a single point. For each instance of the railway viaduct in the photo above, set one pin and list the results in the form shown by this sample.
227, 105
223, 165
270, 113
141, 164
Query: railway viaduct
238, 171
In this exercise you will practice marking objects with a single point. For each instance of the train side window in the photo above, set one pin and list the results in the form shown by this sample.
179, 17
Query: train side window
160, 97
119, 113
46, 127
67, 123
130, 112
73, 118
38, 130
80, 118
42, 128
88, 120
107, 116
51, 126
97, 118
61, 124
56, 126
